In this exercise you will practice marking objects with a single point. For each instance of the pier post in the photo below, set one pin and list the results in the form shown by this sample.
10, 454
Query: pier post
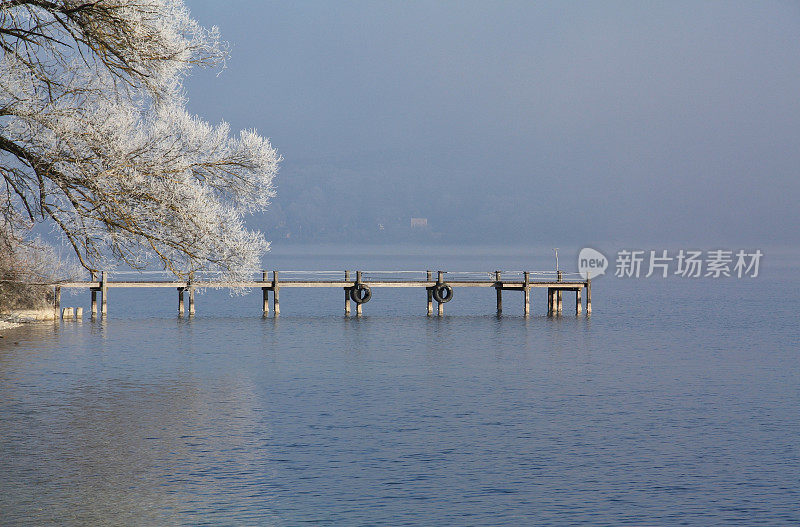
93, 307
276, 303
440, 305
264, 294
347, 294
559, 294
429, 277
588, 296
358, 305
527, 294
498, 286
191, 300
103, 294
181, 309
550, 301
578, 305
57, 301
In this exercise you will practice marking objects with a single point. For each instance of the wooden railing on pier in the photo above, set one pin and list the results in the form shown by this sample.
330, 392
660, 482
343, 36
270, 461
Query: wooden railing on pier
357, 286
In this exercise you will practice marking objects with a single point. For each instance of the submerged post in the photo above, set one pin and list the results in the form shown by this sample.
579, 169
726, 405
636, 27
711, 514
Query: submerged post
429, 277
358, 304
559, 300
578, 305
264, 294
526, 293
550, 301
347, 294
93, 307
191, 300
498, 286
103, 294
276, 303
588, 296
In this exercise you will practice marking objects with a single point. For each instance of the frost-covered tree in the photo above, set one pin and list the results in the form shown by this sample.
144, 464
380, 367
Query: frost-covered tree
94, 136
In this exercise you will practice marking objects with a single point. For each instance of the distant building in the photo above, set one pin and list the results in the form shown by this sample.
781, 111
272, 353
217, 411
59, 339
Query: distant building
419, 223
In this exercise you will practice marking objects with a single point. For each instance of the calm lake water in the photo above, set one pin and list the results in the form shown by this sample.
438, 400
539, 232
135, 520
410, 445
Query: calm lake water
676, 403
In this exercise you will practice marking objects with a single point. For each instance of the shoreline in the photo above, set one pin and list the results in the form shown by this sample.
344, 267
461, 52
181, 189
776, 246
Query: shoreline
19, 317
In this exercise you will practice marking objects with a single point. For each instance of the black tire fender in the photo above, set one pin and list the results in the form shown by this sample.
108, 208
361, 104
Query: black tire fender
443, 293
360, 293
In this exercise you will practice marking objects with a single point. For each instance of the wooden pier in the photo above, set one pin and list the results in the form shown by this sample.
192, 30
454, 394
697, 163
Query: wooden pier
440, 287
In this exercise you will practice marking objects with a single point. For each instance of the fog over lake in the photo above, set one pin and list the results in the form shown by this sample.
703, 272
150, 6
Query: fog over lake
620, 122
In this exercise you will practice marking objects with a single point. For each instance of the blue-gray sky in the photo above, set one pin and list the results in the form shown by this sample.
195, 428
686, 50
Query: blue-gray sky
613, 122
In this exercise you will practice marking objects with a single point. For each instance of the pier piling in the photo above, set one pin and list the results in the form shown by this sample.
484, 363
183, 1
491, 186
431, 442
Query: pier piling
588, 296
57, 300
526, 293
347, 290
358, 304
276, 304
264, 294
181, 309
103, 294
440, 281
429, 277
499, 290
93, 305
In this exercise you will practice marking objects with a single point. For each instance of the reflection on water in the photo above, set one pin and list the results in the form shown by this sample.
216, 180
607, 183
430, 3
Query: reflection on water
658, 410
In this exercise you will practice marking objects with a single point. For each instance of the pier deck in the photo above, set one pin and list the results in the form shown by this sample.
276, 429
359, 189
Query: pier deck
357, 286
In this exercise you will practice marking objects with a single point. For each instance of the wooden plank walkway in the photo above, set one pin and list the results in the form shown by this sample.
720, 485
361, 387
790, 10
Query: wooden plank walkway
358, 287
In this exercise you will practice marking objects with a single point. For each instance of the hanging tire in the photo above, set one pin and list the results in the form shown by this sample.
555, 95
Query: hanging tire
442, 293
360, 294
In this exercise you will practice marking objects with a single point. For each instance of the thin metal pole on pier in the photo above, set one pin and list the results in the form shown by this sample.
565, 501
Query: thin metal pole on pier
347, 294
499, 288
264, 294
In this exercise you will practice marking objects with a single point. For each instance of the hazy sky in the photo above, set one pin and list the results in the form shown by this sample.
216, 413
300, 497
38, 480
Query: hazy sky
630, 122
